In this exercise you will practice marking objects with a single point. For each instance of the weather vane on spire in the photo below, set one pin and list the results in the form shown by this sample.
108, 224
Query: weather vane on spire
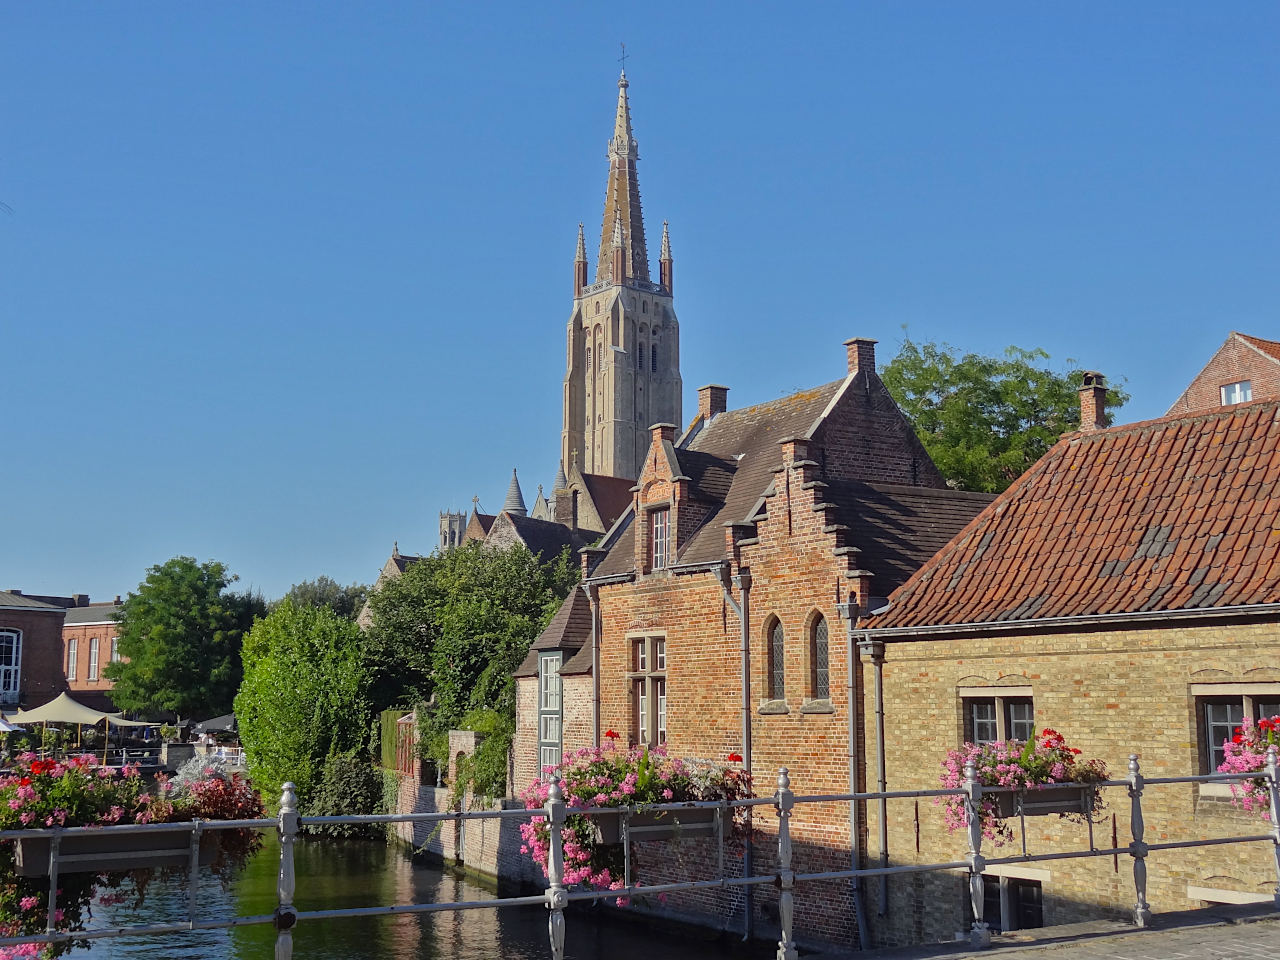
623, 59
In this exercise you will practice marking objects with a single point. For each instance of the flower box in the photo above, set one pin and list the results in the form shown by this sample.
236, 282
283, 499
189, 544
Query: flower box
656, 825
91, 853
1042, 801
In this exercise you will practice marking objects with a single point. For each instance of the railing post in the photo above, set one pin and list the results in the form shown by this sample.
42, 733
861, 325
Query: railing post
784, 800
557, 899
1138, 848
1273, 788
980, 935
55, 847
286, 883
193, 871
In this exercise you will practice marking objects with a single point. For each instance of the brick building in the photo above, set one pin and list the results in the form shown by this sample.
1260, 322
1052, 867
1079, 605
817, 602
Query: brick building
30, 649
782, 511
89, 643
1125, 592
1242, 369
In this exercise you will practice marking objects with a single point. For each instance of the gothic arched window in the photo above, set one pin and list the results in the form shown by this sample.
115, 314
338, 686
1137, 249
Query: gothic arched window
588, 358
640, 358
819, 659
653, 358
777, 668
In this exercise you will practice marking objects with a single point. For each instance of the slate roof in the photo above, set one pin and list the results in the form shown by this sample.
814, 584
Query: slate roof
93, 613
568, 630
8, 599
1170, 514
544, 537
611, 496
403, 561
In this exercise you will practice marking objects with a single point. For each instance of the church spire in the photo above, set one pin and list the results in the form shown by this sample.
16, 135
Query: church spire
580, 265
622, 200
515, 499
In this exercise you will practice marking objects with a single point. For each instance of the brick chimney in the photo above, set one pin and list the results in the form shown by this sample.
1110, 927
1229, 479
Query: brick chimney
662, 431
713, 399
1093, 402
861, 354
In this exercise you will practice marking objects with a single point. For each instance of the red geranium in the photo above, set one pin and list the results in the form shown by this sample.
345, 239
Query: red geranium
735, 758
612, 734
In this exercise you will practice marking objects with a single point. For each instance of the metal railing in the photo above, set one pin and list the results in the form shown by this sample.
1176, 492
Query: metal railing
557, 896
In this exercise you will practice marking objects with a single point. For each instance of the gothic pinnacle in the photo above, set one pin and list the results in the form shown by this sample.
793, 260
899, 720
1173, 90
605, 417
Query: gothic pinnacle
666, 243
617, 232
515, 499
581, 255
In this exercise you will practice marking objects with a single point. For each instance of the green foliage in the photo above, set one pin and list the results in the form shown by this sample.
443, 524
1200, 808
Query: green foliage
324, 591
387, 723
455, 625
485, 771
349, 786
180, 637
985, 420
304, 696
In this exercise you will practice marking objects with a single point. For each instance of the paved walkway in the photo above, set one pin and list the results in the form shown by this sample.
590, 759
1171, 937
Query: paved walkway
1220, 933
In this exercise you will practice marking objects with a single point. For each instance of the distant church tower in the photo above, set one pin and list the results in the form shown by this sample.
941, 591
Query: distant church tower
452, 526
623, 365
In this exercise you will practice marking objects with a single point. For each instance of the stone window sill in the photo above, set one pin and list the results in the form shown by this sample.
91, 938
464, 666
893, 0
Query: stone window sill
773, 708
824, 705
1215, 791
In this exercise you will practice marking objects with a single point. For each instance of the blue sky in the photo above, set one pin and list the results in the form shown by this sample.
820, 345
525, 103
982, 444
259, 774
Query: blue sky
282, 281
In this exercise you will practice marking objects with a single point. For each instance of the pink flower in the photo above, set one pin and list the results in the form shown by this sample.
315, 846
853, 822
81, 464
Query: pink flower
29, 903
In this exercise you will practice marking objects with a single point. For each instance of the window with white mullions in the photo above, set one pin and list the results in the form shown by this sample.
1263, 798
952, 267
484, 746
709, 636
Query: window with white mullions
93, 658
10, 665
550, 719
1239, 392
72, 656
1004, 715
649, 689
660, 522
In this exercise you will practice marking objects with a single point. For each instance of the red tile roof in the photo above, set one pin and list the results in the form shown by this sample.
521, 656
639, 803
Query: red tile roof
1169, 514
1269, 347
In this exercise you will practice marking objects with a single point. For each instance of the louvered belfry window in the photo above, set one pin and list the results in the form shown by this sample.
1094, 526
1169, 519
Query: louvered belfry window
777, 684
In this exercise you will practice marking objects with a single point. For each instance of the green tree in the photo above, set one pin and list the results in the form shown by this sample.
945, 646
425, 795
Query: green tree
180, 637
326, 592
455, 625
304, 696
985, 420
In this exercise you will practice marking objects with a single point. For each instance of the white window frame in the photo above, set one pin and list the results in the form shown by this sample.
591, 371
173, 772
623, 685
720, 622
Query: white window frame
649, 687
659, 538
1002, 699
93, 659
1250, 696
1239, 392
550, 710
11, 674
114, 656
73, 652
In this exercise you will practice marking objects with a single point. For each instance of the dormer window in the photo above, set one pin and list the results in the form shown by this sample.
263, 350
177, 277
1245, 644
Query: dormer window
660, 527
1239, 392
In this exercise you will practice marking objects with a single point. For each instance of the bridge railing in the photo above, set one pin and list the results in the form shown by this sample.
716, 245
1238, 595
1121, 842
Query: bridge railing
558, 896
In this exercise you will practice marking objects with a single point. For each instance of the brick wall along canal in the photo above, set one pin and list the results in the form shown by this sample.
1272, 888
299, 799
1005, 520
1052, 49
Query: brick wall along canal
335, 874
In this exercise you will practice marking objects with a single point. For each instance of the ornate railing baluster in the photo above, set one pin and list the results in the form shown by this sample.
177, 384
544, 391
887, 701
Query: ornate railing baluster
556, 898
980, 934
1273, 788
784, 800
286, 883
1138, 848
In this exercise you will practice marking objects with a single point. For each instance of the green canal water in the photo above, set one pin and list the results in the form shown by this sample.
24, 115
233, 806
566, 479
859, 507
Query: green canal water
353, 874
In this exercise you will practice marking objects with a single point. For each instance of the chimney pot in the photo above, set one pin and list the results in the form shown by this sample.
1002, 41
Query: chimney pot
713, 399
1093, 402
861, 354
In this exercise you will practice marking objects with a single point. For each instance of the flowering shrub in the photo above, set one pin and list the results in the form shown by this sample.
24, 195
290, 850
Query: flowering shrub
76, 792
1246, 752
615, 776
1042, 761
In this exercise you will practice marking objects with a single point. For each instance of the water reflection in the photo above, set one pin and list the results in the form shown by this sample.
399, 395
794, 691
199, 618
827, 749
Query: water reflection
341, 874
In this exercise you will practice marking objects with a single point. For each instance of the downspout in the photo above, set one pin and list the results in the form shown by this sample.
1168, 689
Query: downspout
593, 595
849, 611
875, 648
743, 582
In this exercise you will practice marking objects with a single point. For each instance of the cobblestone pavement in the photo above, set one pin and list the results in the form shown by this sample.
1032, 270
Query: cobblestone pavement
1224, 933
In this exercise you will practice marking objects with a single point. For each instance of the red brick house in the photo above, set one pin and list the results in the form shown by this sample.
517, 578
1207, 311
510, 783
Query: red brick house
30, 649
1243, 368
714, 600
1125, 591
90, 642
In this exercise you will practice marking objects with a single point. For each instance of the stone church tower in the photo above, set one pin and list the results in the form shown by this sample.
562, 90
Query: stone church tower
623, 364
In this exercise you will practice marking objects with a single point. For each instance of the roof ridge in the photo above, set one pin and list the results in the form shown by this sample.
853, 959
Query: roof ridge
1190, 417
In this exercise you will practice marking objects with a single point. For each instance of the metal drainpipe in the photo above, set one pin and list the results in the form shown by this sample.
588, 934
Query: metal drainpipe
743, 582
875, 648
849, 611
593, 595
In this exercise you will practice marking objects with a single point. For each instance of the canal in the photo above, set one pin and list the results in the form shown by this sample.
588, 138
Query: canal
349, 874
